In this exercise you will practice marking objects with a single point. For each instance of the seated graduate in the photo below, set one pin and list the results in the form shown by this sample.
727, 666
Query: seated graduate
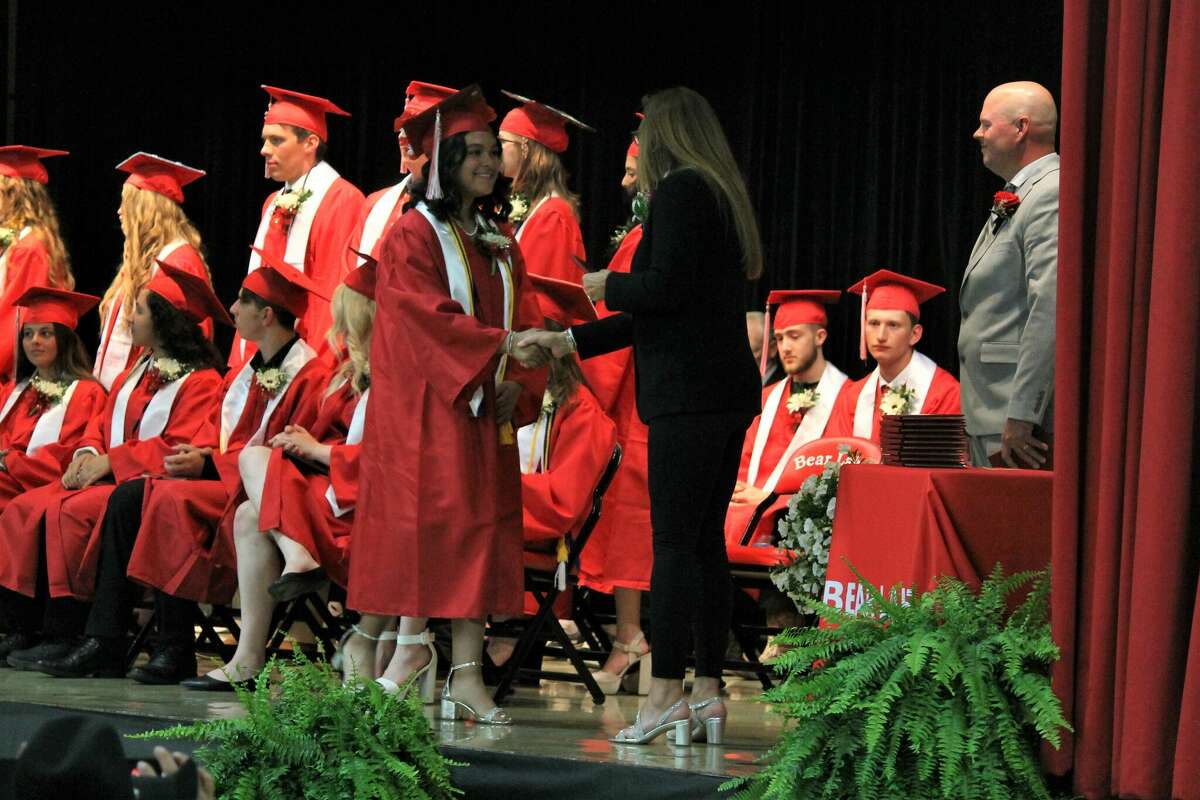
161, 401
293, 531
175, 533
903, 381
795, 411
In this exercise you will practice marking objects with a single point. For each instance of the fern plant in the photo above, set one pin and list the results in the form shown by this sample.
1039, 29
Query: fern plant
305, 735
945, 698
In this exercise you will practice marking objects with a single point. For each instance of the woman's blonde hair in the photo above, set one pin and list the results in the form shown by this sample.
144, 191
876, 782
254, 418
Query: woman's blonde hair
350, 335
150, 221
26, 203
681, 131
542, 173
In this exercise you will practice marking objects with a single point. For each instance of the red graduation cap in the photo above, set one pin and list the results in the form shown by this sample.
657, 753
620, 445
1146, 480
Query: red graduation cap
542, 123
157, 174
418, 97
303, 110
465, 111
281, 284
19, 161
43, 305
188, 292
362, 279
634, 149
563, 302
890, 291
801, 306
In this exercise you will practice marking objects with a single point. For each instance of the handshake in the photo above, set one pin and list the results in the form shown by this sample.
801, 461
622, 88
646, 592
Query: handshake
536, 347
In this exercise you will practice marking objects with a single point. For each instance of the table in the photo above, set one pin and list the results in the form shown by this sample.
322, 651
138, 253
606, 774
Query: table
905, 525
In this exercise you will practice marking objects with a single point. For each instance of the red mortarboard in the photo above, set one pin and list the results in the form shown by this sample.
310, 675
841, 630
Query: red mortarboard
465, 111
801, 306
44, 305
542, 123
281, 284
420, 96
634, 148
303, 110
564, 302
157, 174
189, 293
890, 291
19, 161
362, 278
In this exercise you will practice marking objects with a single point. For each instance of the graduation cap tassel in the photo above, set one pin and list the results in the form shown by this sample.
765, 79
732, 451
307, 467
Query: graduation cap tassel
434, 190
862, 326
762, 362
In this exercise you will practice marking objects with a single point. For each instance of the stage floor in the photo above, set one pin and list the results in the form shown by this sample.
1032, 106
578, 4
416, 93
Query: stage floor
557, 721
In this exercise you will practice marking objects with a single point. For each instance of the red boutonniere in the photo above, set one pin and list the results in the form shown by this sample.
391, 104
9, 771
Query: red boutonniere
1005, 204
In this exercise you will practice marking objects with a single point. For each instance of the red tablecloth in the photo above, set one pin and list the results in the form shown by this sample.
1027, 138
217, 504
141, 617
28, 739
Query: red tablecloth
903, 525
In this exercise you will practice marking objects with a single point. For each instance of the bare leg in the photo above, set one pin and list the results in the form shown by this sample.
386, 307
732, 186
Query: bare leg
385, 649
467, 646
358, 653
296, 557
408, 658
629, 627
258, 565
664, 693
252, 464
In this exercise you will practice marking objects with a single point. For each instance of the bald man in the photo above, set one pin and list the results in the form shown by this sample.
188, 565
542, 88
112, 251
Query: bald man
1006, 340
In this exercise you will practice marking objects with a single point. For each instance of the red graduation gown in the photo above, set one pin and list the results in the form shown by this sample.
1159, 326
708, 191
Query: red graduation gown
942, 398
619, 552
23, 471
185, 544
72, 518
293, 498
557, 498
28, 265
183, 257
438, 525
368, 206
324, 261
549, 239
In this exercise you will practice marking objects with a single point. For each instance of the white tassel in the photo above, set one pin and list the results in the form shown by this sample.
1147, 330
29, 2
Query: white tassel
560, 576
766, 342
434, 190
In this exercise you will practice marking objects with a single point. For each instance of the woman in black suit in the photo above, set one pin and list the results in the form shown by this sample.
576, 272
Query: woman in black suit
697, 390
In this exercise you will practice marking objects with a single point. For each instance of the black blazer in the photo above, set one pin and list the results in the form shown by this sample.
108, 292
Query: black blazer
685, 313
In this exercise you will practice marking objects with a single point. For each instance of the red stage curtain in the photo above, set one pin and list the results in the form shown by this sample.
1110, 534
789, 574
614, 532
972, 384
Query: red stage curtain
1125, 500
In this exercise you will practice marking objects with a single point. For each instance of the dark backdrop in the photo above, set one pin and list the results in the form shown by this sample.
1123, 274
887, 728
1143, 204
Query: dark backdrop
852, 125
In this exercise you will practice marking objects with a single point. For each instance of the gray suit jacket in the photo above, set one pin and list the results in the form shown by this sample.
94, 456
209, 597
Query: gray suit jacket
1006, 341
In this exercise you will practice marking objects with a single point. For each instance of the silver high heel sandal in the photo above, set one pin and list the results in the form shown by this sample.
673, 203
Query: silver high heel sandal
611, 682
708, 729
426, 676
338, 662
457, 709
636, 734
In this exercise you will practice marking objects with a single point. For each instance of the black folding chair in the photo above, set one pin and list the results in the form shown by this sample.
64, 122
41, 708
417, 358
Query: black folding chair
540, 569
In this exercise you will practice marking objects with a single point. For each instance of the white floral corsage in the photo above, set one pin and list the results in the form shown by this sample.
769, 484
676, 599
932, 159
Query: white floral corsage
520, 208
163, 371
802, 400
6, 236
896, 400
47, 394
289, 202
272, 381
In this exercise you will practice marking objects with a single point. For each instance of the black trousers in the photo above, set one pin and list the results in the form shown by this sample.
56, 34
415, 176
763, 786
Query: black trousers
692, 462
116, 594
42, 615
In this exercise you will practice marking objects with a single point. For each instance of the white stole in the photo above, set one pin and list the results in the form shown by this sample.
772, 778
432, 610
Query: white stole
373, 227
158, 410
810, 428
235, 397
918, 376
353, 437
462, 287
49, 424
4, 256
532, 211
533, 441
116, 340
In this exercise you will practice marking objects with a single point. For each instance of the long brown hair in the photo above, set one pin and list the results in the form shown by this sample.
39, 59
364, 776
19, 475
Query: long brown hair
150, 221
72, 361
542, 173
26, 203
681, 131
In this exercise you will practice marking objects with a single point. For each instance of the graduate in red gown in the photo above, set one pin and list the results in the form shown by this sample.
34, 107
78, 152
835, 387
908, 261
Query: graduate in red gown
293, 529
43, 415
309, 221
904, 381
619, 555
438, 524
161, 402
384, 207
32, 252
156, 228
546, 212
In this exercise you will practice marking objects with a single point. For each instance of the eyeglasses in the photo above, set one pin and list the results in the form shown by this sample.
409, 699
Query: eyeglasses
507, 141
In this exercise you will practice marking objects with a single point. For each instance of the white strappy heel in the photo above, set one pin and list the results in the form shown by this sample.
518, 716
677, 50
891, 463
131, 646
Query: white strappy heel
425, 677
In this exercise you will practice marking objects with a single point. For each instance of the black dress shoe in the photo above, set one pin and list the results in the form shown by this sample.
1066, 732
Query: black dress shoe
93, 657
297, 584
168, 665
205, 683
12, 643
51, 648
